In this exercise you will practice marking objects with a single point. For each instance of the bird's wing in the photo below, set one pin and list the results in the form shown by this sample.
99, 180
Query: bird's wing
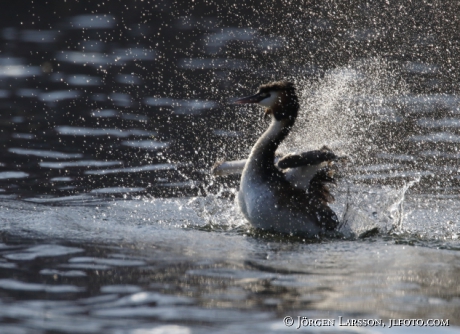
297, 166
291, 160
310, 158
222, 168
311, 171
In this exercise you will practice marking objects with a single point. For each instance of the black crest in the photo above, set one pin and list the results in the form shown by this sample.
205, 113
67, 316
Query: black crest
277, 86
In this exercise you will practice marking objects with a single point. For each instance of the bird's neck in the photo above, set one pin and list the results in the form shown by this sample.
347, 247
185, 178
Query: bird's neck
263, 153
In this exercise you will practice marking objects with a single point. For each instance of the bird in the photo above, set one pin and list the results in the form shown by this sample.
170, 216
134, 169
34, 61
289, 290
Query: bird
283, 194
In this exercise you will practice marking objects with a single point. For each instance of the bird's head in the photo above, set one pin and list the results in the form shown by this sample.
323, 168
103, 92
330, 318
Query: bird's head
279, 99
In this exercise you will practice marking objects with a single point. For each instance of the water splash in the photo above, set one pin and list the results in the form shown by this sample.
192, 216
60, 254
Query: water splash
352, 109
431, 218
371, 209
341, 109
217, 212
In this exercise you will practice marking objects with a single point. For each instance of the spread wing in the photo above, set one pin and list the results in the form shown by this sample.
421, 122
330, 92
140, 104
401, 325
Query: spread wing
310, 171
223, 168
309, 158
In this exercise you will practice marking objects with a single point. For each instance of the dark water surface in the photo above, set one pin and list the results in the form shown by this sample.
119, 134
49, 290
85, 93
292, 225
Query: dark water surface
112, 114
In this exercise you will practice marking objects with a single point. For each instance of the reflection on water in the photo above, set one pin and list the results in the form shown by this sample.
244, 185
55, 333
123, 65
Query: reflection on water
12, 175
201, 278
108, 111
44, 154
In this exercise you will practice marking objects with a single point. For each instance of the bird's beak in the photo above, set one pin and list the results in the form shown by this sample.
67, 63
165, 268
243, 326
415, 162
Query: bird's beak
250, 99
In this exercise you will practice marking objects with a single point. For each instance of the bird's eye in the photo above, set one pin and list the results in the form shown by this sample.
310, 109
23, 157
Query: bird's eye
264, 95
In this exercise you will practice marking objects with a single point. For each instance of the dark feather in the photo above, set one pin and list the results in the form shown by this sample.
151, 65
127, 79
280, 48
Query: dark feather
318, 185
306, 159
327, 218
277, 86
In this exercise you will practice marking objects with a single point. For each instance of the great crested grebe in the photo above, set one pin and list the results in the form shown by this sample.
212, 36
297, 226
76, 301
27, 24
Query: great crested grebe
269, 196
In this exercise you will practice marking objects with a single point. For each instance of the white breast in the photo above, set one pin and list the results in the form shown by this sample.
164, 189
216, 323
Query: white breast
258, 203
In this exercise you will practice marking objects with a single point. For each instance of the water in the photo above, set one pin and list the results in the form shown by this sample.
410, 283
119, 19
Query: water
112, 115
